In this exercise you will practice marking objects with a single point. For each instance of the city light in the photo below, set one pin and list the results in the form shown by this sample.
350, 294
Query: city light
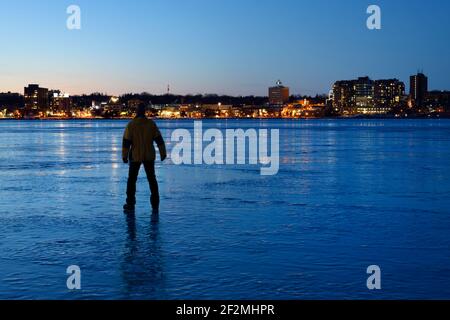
347, 98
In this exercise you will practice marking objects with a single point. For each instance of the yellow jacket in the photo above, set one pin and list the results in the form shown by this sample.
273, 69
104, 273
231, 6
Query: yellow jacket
138, 139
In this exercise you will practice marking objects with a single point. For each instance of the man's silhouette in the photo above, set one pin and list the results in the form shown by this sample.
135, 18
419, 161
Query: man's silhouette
138, 149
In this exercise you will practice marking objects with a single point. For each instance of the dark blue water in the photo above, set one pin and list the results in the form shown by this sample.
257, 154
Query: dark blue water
349, 194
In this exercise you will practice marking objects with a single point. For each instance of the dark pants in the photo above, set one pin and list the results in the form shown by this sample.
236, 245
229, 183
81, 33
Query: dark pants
151, 177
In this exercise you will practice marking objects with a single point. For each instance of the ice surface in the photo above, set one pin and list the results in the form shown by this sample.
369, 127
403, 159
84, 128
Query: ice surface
349, 194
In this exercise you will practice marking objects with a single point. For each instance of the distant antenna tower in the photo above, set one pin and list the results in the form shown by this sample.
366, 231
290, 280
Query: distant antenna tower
168, 89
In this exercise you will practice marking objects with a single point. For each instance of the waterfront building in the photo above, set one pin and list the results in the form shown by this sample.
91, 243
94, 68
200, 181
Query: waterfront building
365, 96
438, 101
418, 89
36, 98
349, 96
279, 94
388, 93
60, 103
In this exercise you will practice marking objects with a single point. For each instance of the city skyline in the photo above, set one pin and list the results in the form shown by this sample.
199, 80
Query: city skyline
224, 48
265, 94
361, 96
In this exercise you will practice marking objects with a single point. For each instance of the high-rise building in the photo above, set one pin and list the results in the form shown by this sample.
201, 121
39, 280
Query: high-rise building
388, 93
418, 89
60, 102
279, 94
352, 95
363, 93
365, 96
343, 95
36, 98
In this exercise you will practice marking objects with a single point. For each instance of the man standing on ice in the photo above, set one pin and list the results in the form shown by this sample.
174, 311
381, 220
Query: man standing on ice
137, 149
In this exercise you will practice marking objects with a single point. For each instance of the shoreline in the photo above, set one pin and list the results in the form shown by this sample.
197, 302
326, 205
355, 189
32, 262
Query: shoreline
244, 119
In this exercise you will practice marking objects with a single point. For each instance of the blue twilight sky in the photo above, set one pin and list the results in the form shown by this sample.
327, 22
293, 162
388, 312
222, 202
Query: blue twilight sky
234, 47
